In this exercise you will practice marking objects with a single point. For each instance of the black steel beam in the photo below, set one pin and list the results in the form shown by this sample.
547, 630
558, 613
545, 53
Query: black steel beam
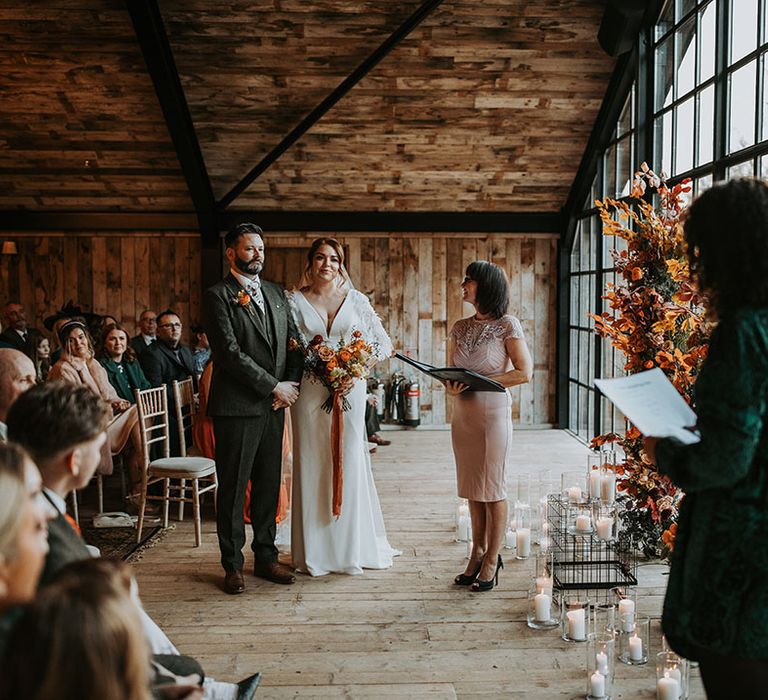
156, 49
18, 220
397, 222
423, 11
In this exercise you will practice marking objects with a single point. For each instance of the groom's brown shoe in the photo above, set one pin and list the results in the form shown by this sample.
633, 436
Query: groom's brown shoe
272, 571
233, 582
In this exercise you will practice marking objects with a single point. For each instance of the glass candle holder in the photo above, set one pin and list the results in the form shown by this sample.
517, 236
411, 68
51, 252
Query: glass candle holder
523, 492
580, 519
523, 535
672, 676
606, 522
574, 616
600, 666
634, 645
626, 604
595, 462
543, 608
509, 539
462, 520
573, 487
603, 618
543, 570
607, 484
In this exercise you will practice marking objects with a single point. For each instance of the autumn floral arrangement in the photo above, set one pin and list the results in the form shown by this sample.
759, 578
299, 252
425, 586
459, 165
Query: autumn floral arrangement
656, 319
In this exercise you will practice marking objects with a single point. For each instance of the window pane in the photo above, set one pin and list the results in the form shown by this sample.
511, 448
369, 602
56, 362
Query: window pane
706, 125
667, 19
609, 168
664, 74
573, 407
703, 183
624, 173
764, 167
741, 108
685, 58
625, 120
585, 357
743, 28
684, 137
575, 248
764, 130
574, 350
663, 140
684, 7
707, 43
746, 169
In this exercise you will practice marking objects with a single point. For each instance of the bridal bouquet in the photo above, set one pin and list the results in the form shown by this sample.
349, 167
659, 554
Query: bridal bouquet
336, 367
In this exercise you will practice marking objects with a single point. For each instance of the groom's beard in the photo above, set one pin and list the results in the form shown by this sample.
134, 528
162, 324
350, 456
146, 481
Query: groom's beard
254, 267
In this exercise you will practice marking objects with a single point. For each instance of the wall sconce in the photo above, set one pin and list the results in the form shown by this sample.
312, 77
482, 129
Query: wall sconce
9, 248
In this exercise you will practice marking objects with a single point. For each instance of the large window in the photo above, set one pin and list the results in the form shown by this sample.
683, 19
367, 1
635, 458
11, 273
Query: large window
705, 64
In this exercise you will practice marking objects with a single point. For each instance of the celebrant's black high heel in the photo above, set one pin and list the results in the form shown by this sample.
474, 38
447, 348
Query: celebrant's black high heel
468, 579
480, 585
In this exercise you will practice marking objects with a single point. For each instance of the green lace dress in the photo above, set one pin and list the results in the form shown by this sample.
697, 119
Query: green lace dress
717, 598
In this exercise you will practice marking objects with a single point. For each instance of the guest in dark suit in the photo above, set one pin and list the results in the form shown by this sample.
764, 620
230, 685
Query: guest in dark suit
255, 377
147, 331
165, 361
15, 325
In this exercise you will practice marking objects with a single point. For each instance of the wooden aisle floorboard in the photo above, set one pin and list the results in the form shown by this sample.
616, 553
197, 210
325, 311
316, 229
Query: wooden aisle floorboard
406, 632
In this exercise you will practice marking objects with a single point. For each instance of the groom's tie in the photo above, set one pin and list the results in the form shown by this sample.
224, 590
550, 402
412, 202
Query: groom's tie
254, 289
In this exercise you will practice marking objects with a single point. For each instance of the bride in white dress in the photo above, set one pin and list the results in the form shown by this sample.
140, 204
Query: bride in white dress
326, 305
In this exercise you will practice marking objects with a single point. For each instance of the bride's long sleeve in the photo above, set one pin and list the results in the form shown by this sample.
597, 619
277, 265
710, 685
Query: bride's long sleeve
373, 329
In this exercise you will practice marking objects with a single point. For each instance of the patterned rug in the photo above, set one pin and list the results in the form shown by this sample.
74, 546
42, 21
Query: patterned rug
120, 542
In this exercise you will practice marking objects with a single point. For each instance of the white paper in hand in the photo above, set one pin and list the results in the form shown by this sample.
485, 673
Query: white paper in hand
650, 401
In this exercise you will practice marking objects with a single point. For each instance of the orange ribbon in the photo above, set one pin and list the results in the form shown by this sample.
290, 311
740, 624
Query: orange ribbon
337, 431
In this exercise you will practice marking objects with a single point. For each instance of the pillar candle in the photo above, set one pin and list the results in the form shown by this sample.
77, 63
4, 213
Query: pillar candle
574, 494
523, 542
583, 523
601, 659
594, 483
608, 487
604, 528
544, 585
627, 614
597, 685
635, 648
576, 624
542, 606
667, 688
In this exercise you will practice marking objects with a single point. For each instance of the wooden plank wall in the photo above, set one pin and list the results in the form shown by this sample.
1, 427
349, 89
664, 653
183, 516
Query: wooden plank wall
116, 274
413, 281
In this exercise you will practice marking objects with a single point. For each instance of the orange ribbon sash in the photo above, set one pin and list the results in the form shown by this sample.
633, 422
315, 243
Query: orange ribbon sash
337, 433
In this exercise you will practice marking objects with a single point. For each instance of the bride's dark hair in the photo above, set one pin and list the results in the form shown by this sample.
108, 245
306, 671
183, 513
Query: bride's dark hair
338, 249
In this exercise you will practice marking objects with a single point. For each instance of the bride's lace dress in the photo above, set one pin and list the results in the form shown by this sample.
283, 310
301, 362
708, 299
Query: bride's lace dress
357, 540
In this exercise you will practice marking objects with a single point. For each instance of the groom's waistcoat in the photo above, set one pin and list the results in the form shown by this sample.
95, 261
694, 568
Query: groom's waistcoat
249, 357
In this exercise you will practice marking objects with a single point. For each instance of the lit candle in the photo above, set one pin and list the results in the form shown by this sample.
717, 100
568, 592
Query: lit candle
604, 528
542, 606
576, 624
608, 487
667, 688
463, 528
594, 483
544, 585
574, 494
597, 685
627, 614
635, 648
523, 542
601, 658
583, 523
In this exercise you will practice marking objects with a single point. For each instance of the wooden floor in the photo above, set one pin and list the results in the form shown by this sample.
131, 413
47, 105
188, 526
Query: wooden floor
406, 632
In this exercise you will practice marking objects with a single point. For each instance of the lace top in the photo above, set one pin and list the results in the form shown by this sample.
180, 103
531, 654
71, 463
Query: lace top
480, 345
355, 313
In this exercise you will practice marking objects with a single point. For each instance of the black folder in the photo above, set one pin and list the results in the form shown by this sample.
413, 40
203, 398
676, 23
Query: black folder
475, 381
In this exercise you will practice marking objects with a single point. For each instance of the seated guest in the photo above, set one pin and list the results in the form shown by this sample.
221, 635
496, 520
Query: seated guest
23, 535
63, 427
15, 324
97, 326
167, 360
201, 350
81, 639
147, 331
55, 321
38, 349
17, 374
78, 366
119, 360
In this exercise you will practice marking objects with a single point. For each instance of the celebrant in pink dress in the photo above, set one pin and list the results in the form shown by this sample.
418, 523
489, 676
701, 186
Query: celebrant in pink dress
336, 520
491, 343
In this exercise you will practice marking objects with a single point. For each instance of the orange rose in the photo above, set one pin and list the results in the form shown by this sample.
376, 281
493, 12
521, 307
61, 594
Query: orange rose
325, 353
331, 364
345, 355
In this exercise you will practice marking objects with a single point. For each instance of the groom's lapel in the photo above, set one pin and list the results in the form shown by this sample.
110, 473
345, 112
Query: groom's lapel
234, 287
273, 304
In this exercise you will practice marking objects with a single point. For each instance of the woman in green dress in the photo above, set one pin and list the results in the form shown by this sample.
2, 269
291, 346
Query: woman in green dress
118, 358
716, 607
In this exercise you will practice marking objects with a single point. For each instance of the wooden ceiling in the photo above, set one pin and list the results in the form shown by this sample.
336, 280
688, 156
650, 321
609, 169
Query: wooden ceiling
486, 106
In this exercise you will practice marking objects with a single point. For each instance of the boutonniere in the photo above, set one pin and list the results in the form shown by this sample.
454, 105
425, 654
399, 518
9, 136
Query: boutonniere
243, 299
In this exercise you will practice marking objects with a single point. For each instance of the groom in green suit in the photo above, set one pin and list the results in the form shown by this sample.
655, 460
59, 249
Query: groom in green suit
254, 376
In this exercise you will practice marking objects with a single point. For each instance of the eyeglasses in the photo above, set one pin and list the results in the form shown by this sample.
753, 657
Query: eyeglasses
170, 325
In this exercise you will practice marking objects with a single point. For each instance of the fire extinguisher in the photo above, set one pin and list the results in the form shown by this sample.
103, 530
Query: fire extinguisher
411, 414
395, 407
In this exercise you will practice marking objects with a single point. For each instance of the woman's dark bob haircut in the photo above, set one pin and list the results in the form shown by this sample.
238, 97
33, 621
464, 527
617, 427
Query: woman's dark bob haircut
492, 288
726, 229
